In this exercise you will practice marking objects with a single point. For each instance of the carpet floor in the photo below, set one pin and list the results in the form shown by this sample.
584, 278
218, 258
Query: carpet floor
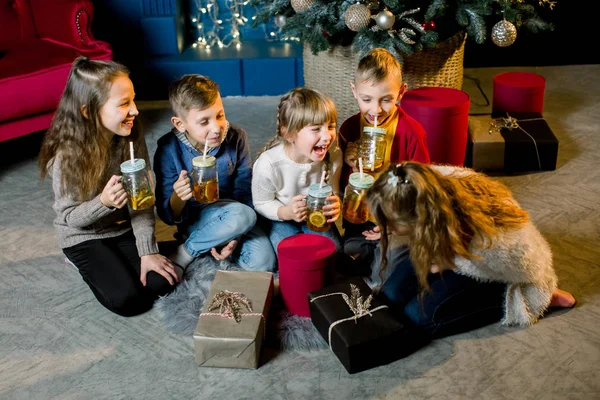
58, 342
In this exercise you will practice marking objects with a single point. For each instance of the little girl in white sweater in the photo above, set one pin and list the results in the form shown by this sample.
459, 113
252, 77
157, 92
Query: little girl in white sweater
295, 158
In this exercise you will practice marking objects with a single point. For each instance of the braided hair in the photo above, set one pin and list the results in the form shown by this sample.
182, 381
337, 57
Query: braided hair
298, 108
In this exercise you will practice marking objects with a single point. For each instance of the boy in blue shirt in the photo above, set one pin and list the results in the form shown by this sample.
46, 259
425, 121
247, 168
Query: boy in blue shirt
227, 226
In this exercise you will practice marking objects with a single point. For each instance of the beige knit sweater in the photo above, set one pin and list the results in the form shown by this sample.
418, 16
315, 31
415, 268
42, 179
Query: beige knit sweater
519, 257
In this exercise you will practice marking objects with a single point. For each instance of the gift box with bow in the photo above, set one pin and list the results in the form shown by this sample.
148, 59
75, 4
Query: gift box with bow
519, 142
231, 327
361, 331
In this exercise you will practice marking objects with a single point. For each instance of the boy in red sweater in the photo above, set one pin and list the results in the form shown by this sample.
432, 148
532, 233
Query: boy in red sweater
378, 88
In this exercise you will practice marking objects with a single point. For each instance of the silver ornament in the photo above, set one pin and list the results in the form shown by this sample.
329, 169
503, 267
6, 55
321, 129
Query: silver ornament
504, 33
280, 20
357, 17
385, 20
301, 5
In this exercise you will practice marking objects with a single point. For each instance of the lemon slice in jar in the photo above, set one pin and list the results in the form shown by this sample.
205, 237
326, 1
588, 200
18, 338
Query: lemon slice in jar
211, 191
317, 219
145, 199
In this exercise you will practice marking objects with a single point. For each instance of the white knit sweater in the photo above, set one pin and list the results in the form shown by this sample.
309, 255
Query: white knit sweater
276, 179
519, 257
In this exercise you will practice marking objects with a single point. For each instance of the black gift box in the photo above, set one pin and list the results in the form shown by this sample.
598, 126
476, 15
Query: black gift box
371, 340
532, 146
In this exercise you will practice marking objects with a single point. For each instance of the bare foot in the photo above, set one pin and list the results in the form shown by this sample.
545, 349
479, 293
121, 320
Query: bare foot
560, 298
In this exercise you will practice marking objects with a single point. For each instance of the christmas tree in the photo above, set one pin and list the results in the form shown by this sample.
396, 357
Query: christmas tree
401, 26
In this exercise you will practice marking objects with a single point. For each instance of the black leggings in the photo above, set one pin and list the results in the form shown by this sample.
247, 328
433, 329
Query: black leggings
111, 268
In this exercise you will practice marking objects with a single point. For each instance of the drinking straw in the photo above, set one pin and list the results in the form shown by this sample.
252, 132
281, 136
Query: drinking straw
375, 122
131, 152
322, 179
205, 150
360, 167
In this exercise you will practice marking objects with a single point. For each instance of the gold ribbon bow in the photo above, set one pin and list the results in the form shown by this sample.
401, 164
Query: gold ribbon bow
500, 123
355, 301
358, 307
229, 305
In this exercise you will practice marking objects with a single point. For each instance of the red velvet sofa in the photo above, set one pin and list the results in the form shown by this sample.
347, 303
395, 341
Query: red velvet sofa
39, 39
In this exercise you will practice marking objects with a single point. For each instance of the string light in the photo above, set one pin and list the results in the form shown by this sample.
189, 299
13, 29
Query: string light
212, 29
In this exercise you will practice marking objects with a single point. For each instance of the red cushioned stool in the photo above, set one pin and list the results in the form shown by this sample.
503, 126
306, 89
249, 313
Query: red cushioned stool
517, 92
444, 113
305, 265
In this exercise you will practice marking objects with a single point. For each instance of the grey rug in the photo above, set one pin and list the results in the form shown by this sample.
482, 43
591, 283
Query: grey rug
180, 309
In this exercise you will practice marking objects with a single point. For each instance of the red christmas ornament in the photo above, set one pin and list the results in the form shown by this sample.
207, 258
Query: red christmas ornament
325, 34
428, 26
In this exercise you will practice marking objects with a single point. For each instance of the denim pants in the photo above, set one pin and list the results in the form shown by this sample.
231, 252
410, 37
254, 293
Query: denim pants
279, 230
224, 220
454, 303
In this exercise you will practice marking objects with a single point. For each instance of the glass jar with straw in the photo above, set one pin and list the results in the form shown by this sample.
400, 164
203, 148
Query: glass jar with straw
205, 178
137, 182
354, 207
371, 147
315, 201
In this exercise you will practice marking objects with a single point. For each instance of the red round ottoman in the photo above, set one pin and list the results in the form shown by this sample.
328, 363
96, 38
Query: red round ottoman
444, 113
305, 264
516, 92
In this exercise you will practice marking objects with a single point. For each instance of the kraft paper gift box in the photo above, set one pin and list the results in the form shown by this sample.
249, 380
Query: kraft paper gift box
229, 333
364, 335
524, 142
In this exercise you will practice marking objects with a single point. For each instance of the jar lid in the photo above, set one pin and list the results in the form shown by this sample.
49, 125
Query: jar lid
362, 183
202, 162
373, 130
315, 191
129, 167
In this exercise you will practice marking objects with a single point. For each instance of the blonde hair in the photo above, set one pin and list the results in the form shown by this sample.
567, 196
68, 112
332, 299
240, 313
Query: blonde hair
298, 108
377, 65
444, 213
192, 92
86, 164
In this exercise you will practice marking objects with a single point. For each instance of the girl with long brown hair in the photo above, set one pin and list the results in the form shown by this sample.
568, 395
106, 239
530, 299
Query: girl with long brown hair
471, 246
113, 248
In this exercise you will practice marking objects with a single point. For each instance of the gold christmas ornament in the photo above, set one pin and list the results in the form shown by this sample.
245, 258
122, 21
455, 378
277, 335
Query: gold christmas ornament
385, 20
357, 17
301, 5
504, 33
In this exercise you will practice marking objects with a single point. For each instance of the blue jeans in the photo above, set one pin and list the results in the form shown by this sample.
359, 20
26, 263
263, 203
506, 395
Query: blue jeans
453, 304
395, 256
224, 220
279, 230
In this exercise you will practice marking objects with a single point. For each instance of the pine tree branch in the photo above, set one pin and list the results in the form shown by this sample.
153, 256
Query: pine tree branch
435, 10
322, 25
